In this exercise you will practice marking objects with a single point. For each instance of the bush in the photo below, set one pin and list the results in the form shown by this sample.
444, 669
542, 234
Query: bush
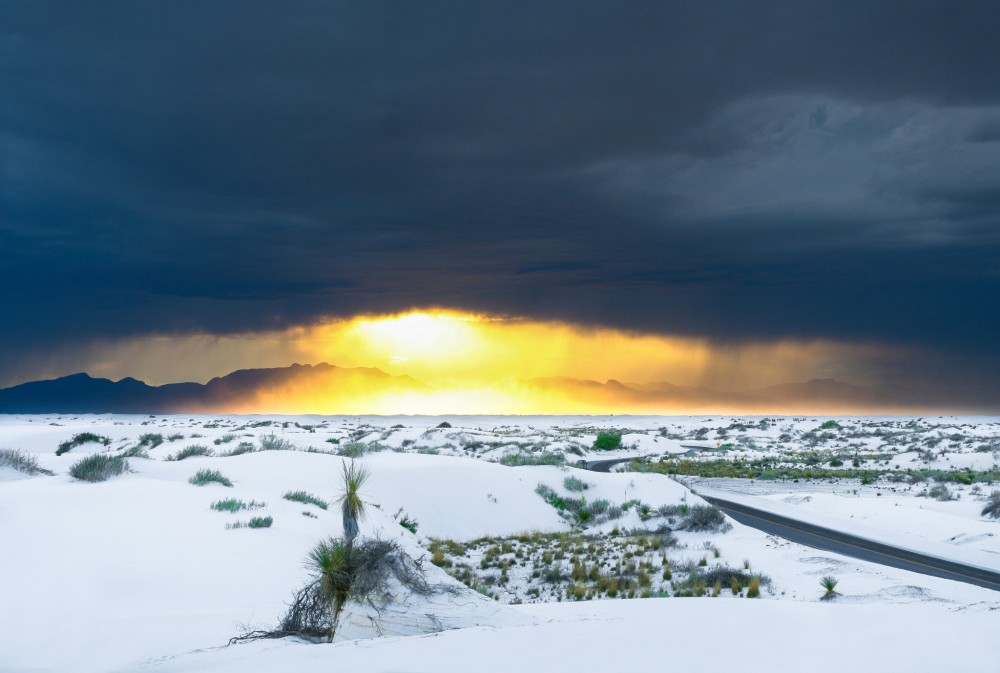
522, 459
444, 424
82, 438
234, 505
256, 522
727, 576
22, 462
352, 450
305, 498
190, 452
343, 572
409, 524
272, 442
608, 440
203, 477
239, 450
99, 467
992, 508
940, 492
705, 518
573, 484
753, 588
151, 439
135, 452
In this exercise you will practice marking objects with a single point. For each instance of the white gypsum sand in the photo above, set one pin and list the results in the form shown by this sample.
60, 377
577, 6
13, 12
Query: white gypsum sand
139, 571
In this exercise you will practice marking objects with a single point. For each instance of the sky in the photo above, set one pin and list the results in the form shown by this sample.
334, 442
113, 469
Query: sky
787, 188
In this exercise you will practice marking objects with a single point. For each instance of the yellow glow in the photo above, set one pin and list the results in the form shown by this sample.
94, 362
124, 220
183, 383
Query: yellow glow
439, 361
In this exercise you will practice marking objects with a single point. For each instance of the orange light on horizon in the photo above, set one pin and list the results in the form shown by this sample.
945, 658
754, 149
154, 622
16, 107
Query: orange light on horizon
476, 364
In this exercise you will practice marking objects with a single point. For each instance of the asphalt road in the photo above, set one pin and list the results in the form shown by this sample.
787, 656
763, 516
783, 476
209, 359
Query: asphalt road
841, 543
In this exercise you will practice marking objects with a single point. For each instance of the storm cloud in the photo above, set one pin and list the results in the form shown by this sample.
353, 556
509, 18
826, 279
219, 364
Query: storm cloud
729, 170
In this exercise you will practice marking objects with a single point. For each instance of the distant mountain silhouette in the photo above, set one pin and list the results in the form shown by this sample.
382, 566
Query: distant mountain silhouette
81, 393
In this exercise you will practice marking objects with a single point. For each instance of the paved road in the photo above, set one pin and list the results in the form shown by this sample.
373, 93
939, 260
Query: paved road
841, 543
605, 465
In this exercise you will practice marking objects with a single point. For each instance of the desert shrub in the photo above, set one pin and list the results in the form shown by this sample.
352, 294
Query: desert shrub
829, 583
305, 498
409, 524
203, 477
81, 438
234, 505
444, 424
573, 484
151, 440
99, 467
352, 450
239, 450
753, 588
521, 459
940, 492
22, 462
726, 575
428, 451
175, 437
599, 506
225, 439
272, 442
992, 508
608, 440
191, 452
830, 425
704, 518
369, 572
135, 452
256, 522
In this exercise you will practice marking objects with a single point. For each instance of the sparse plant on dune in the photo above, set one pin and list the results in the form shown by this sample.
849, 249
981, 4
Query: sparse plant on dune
190, 452
203, 477
830, 584
305, 498
81, 438
352, 506
992, 508
99, 467
22, 462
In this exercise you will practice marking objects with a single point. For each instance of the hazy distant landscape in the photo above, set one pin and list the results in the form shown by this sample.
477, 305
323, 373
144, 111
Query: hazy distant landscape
359, 390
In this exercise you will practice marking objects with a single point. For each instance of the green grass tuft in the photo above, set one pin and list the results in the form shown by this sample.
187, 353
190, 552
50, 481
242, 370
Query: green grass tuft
306, 499
22, 462
81, 438
203, 477
99, 467
191, 452
234, 505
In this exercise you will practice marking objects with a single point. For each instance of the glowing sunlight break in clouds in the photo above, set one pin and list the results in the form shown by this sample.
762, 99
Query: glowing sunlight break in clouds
442, 361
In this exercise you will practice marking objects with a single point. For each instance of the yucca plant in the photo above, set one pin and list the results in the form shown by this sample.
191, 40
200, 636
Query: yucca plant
352, 507
830, 584
330, 559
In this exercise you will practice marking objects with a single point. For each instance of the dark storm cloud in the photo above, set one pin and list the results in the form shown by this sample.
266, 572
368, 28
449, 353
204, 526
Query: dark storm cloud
735, 170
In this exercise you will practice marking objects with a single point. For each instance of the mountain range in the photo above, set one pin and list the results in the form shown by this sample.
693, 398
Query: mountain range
81, 393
